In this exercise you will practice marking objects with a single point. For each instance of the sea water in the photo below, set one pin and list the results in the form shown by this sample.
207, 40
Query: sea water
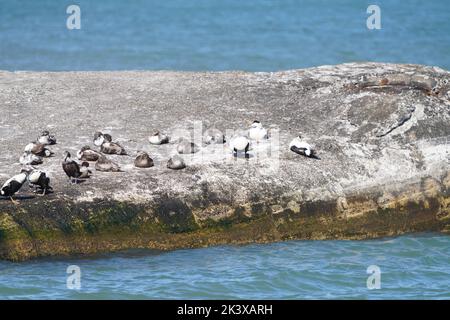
410, 267
253, 35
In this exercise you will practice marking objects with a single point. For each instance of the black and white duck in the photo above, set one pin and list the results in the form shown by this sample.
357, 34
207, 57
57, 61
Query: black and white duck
257, 132
46, 138
39, 180
100, 138
239, 144
12, 185
158, 138
299, 146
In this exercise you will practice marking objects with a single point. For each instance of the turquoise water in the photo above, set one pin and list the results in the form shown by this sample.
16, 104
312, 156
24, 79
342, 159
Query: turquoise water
256, 35
412, 267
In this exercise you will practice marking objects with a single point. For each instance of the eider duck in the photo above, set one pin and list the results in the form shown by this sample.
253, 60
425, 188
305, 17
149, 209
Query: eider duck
158, 138
185, 147
12, 185
213, 136
46, 139
257, 132
107, 137
39, 180
112, 148
100, 138
106, 144
38, 149
106, 165
176, 163
143, 160
87, 154
27, 158
239, 144
73, 170
303, 148
84, 169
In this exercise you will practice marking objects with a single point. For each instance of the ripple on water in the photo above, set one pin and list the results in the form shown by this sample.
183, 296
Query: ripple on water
413, 267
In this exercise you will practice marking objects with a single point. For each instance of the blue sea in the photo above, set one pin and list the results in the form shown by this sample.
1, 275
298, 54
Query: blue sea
216, 35
409, 267
253, 35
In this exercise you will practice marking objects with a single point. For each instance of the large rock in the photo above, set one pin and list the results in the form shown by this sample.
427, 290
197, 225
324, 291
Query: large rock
382, 132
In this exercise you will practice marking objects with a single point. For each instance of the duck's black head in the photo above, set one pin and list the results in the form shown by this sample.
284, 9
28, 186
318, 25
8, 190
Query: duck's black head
85, 164
85, 148
107, 137
256, 121
66, 155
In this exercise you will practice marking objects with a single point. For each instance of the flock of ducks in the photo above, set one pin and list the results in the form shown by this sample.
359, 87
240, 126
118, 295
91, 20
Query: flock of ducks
77, 171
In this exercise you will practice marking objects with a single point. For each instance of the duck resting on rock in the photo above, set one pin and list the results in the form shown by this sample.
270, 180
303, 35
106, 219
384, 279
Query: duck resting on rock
107, 146
158, 138
303, 148
100, 138
257, 132
176, 163
106, 165
113, 148
143, 160
87, 154
38, 149
46, 138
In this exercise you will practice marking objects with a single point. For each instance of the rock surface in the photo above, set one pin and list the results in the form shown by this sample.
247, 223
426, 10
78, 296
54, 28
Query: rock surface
382, 132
